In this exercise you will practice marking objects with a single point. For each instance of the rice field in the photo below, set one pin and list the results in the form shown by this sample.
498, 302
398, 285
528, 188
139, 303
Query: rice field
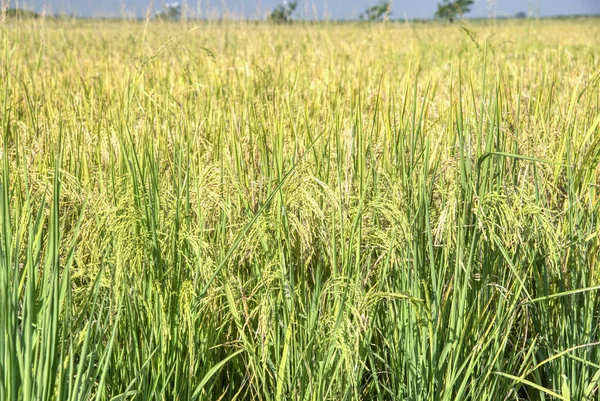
315, 211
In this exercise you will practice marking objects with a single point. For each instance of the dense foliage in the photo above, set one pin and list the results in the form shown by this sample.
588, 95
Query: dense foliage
303, 212
453, 9
283, 12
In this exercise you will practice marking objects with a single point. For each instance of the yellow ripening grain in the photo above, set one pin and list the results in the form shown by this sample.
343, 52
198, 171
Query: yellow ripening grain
306, 211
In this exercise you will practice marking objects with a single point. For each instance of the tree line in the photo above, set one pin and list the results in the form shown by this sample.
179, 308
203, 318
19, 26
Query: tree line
449, 10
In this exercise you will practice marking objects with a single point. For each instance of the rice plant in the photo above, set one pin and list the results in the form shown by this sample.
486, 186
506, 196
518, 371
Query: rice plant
203, 211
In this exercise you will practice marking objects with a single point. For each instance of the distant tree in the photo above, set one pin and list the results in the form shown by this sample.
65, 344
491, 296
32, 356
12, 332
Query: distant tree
452, 10
521, 15
381, 10
283, 12
446, 11
463, 6
171, 11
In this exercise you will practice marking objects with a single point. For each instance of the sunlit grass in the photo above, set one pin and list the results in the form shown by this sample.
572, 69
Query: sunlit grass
303, 212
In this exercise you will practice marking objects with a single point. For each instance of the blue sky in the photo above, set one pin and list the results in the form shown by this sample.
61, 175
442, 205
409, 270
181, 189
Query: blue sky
334, 9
